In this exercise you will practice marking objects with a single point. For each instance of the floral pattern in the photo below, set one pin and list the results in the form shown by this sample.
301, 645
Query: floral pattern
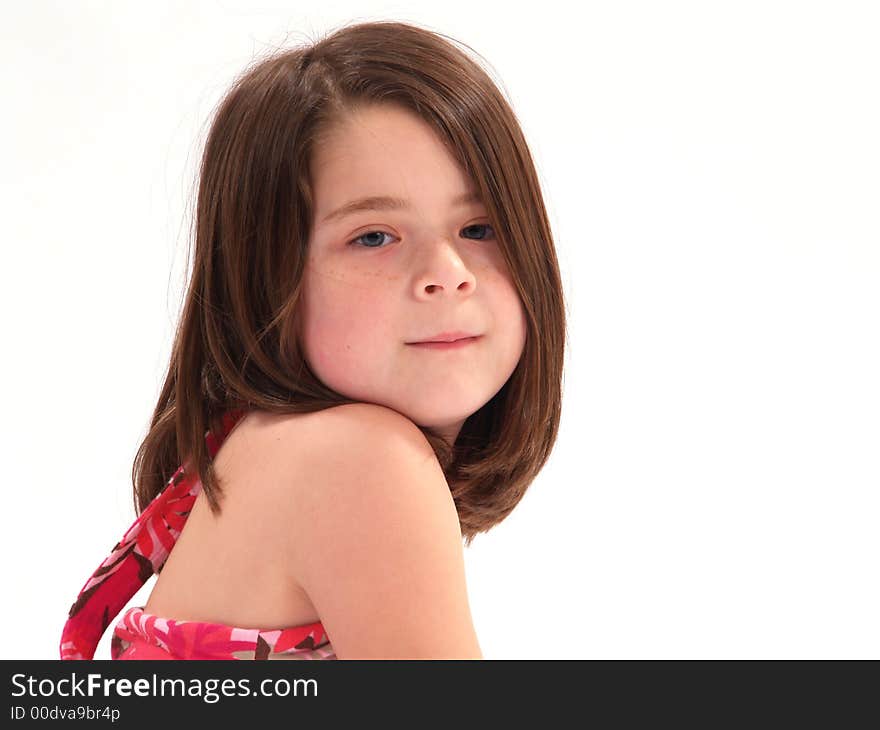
141, 553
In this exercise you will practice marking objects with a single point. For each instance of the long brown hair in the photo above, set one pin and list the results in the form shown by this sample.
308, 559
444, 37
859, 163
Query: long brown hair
236, 342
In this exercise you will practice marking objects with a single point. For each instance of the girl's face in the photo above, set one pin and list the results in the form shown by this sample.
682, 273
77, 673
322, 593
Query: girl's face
378, 279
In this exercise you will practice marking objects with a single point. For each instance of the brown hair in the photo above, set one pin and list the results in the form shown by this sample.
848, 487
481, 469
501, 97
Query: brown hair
236, 343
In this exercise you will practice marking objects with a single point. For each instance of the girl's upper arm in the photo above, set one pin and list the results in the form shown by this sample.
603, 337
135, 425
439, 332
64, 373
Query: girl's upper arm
376, 542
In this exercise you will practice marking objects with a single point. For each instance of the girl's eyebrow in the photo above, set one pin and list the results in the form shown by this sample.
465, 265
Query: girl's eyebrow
388, 202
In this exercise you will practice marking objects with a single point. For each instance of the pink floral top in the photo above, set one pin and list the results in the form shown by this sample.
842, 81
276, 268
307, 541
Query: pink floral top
141, 553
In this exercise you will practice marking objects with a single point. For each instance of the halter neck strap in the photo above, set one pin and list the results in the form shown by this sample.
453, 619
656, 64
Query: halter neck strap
140, 553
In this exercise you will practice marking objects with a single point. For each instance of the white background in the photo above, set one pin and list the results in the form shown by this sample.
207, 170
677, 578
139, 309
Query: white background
712, 173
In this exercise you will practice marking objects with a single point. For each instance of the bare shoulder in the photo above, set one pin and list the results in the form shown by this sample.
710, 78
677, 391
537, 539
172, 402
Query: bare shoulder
374, 537
369, 419
349, 436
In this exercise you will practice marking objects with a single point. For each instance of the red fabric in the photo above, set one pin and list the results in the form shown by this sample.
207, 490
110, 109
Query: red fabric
141, 553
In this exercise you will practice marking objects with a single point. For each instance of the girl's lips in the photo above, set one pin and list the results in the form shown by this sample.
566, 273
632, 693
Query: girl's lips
464, 342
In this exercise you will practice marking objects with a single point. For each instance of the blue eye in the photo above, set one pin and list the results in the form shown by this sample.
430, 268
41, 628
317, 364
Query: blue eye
482, 225
358, 241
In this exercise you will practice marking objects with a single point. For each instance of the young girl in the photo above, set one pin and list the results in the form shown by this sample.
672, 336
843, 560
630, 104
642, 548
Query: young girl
374, 333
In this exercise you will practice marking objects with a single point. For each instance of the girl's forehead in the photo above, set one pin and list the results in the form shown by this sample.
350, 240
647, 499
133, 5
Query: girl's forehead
388, 178
390, 203
385, 159
379, 138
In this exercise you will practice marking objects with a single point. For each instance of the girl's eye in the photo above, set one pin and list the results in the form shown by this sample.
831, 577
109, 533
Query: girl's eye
363, 242
367, 235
